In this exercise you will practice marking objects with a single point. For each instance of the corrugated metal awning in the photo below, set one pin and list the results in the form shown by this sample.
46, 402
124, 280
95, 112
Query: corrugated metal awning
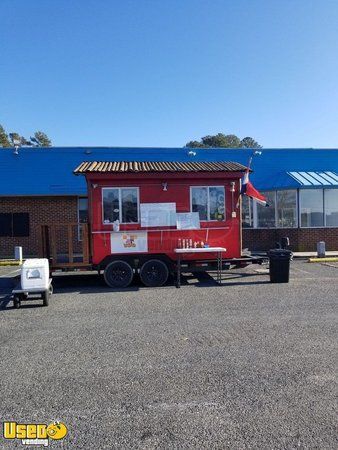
315, 178
160, 166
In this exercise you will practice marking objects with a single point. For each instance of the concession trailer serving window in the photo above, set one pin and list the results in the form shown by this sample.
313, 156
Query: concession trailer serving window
208, 201
120, 203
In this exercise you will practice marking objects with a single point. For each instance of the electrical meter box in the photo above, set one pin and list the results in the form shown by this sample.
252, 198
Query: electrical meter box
35, 274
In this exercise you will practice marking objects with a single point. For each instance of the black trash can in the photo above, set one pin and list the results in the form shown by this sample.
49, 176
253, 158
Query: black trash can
279, 265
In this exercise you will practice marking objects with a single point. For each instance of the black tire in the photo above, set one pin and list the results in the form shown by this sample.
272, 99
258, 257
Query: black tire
154, 273
16, 302
118, 274
45, 297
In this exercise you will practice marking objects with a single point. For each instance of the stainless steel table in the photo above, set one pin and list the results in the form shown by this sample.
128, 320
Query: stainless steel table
185, 251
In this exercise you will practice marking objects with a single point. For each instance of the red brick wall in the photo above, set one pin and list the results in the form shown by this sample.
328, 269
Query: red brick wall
42, 210
301, 239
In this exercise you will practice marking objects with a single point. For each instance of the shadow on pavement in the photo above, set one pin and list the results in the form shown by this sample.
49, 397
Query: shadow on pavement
206, 279
4, 302
95, 284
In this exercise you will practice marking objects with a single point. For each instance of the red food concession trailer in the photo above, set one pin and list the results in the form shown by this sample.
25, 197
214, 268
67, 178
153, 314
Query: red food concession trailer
155, 218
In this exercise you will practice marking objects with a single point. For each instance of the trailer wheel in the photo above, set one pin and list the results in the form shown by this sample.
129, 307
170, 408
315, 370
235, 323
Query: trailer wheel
16, 302
118, 274
154, 273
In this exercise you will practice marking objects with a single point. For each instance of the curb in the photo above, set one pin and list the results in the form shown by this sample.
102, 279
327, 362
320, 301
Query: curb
319, 260
10, 262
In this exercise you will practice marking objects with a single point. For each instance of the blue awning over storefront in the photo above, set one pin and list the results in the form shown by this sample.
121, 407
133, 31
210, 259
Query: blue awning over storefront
315, 178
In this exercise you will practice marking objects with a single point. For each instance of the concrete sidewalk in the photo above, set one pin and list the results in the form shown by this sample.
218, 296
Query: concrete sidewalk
314, 254
333, 253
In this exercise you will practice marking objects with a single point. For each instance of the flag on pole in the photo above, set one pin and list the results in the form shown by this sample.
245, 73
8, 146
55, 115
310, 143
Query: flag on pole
250, 191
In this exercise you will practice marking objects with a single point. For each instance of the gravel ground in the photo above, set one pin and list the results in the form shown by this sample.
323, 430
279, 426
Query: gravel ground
245, 365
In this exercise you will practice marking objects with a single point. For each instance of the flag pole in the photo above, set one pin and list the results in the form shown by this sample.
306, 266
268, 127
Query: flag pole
254, 153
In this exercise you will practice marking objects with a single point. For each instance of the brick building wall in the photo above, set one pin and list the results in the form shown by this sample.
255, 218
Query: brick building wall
49, 210
301, 239
42, 210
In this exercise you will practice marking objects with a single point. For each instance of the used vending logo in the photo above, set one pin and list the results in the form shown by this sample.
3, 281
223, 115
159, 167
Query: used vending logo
34, 433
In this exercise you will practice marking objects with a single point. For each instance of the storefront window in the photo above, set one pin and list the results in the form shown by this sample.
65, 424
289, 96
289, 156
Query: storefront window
247, 217
266, 215
83, 210
331, 207
120, 204
311, 207
209, 202
286, 209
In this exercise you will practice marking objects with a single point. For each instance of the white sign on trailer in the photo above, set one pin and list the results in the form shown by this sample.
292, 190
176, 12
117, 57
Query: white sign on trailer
158, 214
129, 242
188, 221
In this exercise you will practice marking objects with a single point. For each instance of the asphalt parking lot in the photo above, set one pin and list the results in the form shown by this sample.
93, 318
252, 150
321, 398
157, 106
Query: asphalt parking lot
248, 364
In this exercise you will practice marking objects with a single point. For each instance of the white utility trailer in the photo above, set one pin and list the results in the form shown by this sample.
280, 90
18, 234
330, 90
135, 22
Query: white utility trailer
34, 281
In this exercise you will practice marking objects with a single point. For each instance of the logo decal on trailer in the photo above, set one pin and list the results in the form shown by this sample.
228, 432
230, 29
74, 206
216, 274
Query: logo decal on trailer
129, 242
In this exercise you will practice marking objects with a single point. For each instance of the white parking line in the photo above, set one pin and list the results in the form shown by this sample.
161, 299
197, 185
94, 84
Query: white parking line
300, 270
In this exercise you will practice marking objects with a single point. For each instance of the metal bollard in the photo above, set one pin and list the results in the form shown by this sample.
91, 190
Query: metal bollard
18, 254
285, 243
321, 249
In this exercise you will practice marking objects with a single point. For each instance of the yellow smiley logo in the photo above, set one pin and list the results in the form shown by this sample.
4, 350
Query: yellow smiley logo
57, 430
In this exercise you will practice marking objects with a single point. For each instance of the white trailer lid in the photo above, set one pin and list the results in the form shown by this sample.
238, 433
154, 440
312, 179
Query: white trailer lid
35, 263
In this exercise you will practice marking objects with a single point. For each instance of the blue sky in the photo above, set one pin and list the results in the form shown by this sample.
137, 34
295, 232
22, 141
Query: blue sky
162, 72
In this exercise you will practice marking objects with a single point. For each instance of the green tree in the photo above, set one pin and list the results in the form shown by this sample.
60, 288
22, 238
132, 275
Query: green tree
4, 139
17, 140
195, 144
249, 142
223, 141
40, 139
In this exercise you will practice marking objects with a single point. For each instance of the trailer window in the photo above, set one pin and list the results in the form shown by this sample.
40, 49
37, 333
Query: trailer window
199, 201
209, 202
129, 205
111, 206
120, 204
216, 203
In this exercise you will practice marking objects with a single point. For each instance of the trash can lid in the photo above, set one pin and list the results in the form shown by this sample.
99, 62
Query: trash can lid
279, 252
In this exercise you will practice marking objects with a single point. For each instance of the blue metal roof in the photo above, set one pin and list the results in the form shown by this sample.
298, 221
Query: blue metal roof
49, 171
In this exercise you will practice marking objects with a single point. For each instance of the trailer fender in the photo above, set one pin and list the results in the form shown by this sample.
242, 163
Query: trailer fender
136, 261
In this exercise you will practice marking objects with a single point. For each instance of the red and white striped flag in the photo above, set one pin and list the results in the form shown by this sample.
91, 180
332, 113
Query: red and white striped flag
250, 191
